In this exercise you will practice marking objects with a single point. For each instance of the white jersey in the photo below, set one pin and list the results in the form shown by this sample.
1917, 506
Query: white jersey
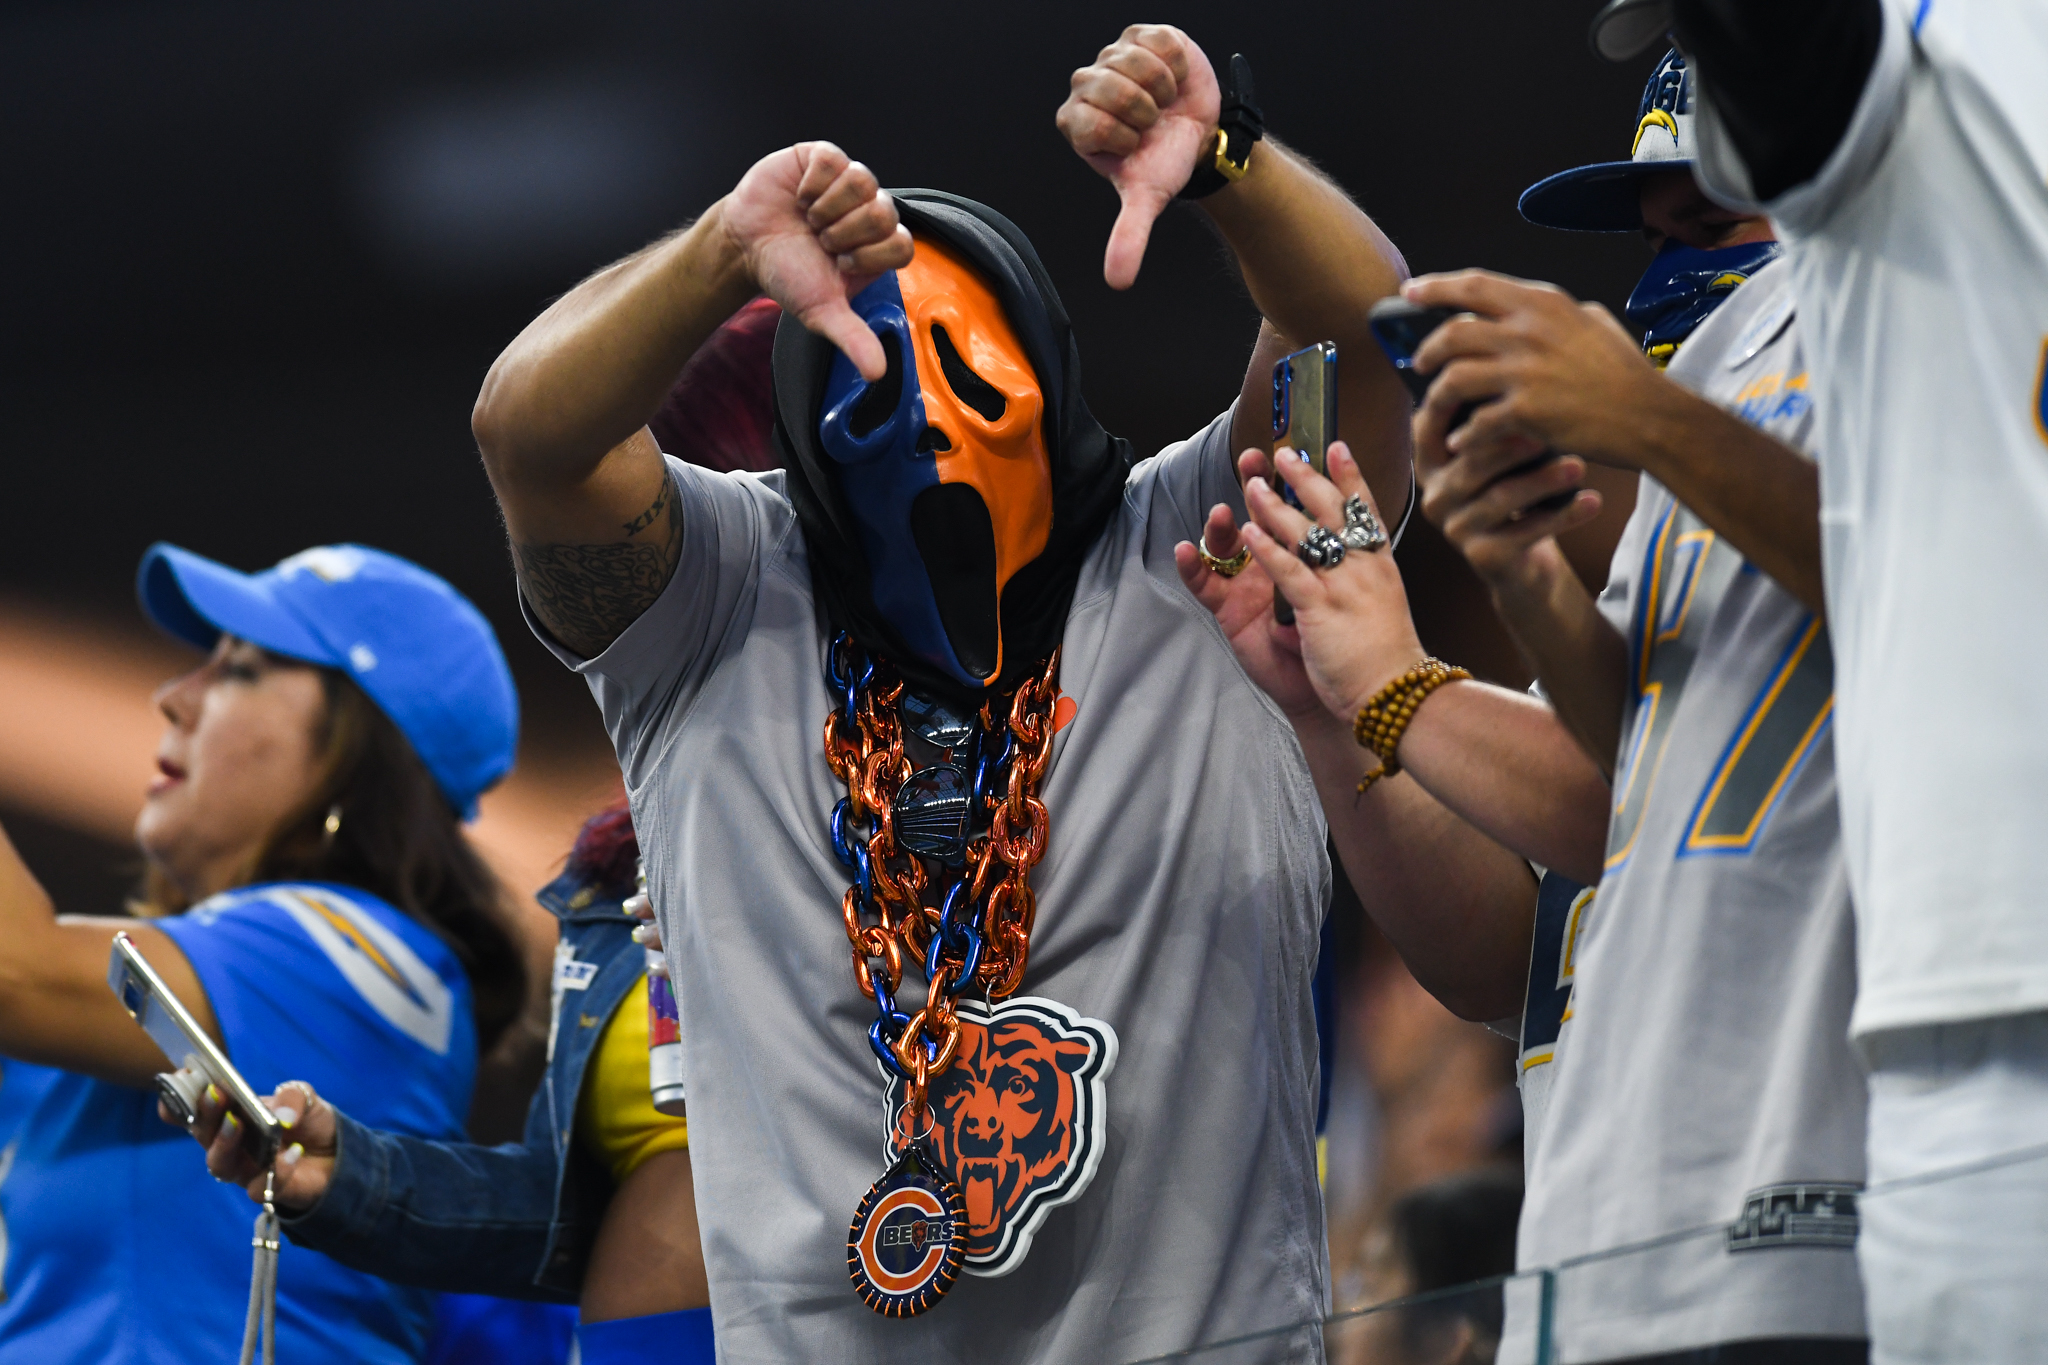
1920, 259
1686, 1064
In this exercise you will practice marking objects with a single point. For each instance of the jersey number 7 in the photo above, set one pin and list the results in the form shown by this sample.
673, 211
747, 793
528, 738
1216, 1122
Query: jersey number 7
1686, 571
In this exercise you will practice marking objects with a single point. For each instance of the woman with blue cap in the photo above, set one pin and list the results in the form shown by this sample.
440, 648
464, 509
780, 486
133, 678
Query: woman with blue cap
596, 1206
310, 897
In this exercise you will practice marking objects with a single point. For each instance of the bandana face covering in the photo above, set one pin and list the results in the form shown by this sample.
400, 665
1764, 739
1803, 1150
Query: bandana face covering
942, 461
1684, 284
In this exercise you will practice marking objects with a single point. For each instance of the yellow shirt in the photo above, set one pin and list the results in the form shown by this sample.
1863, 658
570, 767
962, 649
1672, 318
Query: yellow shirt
615, 1115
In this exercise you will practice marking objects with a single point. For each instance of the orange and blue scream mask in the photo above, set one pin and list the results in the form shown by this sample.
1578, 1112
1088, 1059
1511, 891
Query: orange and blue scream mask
942, 462
949, 509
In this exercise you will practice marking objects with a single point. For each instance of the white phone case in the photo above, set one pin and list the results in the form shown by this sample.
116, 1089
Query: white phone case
173, 1029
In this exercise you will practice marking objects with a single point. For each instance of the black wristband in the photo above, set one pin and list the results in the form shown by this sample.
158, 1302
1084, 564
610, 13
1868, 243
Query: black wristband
1238, 125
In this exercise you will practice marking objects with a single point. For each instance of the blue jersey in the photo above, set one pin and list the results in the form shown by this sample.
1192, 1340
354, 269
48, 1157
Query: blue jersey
478, 1329
118, 1245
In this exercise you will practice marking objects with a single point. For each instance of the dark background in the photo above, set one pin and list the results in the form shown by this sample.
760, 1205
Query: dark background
258, 258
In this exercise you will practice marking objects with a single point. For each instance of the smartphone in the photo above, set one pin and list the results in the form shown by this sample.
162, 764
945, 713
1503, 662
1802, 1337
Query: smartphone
1305, 402
1304, 420
196, 1058
1400, 327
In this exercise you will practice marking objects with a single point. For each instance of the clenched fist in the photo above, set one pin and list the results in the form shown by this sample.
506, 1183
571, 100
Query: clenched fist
1141, 116
815, 228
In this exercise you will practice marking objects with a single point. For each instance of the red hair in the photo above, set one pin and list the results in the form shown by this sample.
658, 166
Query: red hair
607, 851
720, 414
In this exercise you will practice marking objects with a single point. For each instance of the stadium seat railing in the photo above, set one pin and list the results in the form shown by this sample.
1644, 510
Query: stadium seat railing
1528, 1318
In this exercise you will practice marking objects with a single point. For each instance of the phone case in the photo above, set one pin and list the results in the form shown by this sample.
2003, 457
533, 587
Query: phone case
1305, 401
178, 1035
1304, 420
1400, 327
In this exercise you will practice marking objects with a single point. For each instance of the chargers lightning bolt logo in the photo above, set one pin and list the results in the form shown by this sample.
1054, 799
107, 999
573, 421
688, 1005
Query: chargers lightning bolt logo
387, 973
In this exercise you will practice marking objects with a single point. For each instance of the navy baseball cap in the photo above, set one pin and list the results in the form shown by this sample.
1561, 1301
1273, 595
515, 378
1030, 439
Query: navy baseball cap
1607, 196
421, 652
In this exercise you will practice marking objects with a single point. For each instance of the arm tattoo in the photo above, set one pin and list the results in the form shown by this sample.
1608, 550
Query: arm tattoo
586, 595
654, 509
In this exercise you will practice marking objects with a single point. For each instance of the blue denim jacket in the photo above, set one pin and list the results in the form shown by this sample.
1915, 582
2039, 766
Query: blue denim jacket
516, 1220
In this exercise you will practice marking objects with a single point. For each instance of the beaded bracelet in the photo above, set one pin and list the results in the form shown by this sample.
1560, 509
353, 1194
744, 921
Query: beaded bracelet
1384, 719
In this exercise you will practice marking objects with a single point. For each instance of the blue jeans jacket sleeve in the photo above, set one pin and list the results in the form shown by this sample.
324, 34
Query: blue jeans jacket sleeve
517, 1220
450, 1216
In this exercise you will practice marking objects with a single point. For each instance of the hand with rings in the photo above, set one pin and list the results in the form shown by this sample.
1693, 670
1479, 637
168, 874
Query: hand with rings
1351, 615
1240, 596
1322, 548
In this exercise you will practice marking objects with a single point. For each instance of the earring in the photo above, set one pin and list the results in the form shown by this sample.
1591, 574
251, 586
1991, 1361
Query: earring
333, 824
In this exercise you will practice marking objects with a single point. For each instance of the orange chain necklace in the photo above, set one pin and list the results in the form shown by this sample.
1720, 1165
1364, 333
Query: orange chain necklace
980, 932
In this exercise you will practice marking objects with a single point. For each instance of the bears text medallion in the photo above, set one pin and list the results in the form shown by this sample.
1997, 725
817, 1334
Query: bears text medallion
904, 1249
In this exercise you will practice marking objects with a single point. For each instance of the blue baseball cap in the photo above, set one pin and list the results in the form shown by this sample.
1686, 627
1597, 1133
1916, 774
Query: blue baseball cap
1607, 196
416, 647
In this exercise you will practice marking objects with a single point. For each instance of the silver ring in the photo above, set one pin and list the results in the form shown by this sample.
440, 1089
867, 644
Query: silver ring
1362, 530
1320, 548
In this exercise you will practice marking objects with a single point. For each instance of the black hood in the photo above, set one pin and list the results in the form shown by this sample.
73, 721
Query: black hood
1088, 464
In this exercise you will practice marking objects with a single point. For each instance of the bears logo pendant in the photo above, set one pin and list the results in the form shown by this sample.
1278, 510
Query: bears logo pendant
904, 1249
1019, 1121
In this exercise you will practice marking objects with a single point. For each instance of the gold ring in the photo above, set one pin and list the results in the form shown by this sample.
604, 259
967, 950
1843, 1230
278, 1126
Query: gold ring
1225, 568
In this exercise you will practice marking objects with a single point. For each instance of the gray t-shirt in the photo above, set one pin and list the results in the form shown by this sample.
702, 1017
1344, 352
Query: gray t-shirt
1179, 904
1702, 1077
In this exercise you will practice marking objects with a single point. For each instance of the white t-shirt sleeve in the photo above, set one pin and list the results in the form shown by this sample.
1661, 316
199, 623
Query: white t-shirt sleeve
1807, 207
732, 523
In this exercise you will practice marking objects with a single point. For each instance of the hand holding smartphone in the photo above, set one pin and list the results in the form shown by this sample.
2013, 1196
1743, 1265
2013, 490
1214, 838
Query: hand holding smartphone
196, 1059
1400, 328
1304, 421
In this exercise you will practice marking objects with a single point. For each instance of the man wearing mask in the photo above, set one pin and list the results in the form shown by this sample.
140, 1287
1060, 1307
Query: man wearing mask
1685, 1067
934, 696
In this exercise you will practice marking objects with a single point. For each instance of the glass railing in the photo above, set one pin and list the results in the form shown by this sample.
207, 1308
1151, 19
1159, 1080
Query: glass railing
1564, 1314
1461, 1324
